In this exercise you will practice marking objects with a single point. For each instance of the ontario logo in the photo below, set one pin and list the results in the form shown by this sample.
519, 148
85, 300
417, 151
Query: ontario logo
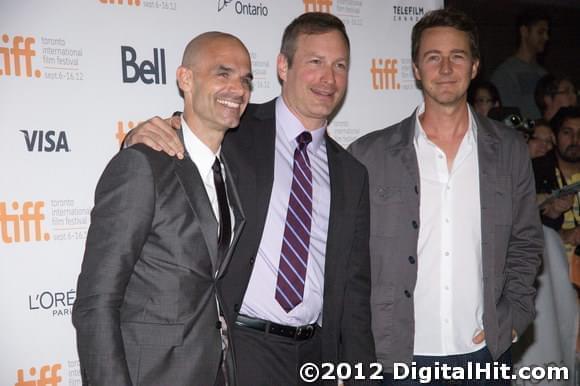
318, 6
244, 8
17, 54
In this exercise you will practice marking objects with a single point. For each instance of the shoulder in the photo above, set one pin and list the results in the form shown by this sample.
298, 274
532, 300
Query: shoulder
379, 140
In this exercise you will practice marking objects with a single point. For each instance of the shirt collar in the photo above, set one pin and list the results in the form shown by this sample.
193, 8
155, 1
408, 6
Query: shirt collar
290, 127
200, 154
420, 132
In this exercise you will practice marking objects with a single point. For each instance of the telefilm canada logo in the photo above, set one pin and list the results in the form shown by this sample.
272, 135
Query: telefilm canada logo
245, 8
408, 13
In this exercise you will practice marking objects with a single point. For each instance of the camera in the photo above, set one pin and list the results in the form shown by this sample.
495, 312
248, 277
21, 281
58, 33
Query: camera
511, 117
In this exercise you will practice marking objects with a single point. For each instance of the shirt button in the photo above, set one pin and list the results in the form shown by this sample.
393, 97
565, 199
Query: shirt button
407, 294
411, 260
415, 224
446, 253
447, 288
440, 156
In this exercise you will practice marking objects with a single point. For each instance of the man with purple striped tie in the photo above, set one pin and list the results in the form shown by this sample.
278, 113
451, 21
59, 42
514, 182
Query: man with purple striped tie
297, 288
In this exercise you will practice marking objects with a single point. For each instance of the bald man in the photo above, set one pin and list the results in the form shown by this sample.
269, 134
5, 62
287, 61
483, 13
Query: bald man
162, 232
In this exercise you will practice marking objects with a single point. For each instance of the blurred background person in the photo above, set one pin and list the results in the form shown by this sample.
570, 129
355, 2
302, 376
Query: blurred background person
483, 96
517, 76
542, 139
552, 93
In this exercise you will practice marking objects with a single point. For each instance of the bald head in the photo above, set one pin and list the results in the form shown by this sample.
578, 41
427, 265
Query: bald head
200, 44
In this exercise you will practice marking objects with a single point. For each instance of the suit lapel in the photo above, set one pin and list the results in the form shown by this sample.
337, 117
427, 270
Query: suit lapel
193, 185
333, 240
488, 147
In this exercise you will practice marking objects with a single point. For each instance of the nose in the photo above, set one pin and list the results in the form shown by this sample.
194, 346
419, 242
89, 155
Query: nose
328, 75
445, 67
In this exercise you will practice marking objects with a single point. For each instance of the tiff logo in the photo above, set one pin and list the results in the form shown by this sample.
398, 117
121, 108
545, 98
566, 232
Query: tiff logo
47, 376
384, 74
11, 56
121, 132
317, 6
17, 227
44, 141
120, 2
147, 71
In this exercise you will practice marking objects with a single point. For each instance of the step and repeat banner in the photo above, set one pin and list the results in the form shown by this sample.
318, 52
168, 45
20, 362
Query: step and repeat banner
75, 76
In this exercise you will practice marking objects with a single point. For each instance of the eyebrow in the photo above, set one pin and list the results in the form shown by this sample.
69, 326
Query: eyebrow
221, 67
454, 51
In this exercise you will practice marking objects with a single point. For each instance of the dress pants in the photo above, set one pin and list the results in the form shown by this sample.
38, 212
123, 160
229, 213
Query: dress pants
481, 356
264, 359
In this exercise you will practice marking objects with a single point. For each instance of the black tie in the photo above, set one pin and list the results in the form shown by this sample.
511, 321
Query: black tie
225, 231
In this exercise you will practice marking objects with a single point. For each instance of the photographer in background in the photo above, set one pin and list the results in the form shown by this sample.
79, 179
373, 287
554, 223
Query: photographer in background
557, 169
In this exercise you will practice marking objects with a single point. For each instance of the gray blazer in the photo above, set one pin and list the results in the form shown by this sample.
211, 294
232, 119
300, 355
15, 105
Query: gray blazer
512, 239
146, 311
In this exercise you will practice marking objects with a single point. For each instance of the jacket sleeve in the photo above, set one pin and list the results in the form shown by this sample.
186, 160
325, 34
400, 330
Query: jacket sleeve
356, 336
120, 222
525, 247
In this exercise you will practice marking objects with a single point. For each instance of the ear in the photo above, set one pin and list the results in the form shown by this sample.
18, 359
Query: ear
184, 77
416, 72
474, 68
282, 67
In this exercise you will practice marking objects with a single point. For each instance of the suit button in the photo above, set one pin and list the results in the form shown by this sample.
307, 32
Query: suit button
218, 325
411, 260
415, 224
252, 261
407, 294
236, 308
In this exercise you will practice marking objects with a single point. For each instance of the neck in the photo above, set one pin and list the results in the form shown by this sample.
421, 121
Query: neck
568, 168
309, 124
445, 121
526, 54
210, 138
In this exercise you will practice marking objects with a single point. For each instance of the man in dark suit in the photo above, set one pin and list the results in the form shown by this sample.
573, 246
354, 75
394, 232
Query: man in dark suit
161, 238
455, 232
297, 289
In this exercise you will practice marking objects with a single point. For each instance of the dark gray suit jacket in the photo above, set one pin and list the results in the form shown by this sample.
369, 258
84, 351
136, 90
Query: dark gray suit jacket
512, 239
346, 332
146, 311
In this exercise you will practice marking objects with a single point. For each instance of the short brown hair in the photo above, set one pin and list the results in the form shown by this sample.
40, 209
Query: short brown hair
447, 17
310, 23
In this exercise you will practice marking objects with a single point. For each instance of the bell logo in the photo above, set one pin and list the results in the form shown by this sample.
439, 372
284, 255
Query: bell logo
17, 227
11, 56
147, 71
47, 376
45, 141
317, 6
384, 74
121, 132
120, 2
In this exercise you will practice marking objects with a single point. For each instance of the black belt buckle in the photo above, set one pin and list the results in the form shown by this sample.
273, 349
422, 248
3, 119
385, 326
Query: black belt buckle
304, 332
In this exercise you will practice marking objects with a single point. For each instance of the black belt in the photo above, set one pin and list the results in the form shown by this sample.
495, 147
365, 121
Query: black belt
296, 333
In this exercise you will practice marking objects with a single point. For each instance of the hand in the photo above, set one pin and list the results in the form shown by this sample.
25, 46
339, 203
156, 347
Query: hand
554, 208
480, 337
158, 134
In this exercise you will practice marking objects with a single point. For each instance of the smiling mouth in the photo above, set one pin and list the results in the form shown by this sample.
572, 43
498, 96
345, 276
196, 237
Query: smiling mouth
230, 104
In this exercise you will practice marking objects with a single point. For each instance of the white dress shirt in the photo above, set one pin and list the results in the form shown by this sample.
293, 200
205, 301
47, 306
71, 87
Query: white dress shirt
203, 158
259, 300
448, 296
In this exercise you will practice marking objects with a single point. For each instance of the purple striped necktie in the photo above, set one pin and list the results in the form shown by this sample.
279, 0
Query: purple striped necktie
296, 241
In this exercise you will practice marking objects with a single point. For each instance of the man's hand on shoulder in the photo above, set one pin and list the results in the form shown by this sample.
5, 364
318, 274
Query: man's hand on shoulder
158, 134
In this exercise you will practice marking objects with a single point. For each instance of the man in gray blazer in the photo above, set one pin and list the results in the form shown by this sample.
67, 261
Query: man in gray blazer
161, 237
455, 232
